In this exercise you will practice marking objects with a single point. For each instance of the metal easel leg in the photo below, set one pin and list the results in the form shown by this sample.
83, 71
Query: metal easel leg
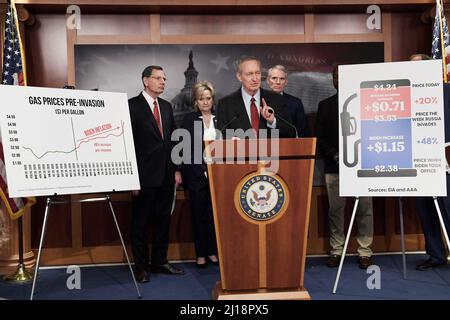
444, 230
41, 242
347, 238
123, 245
402, 234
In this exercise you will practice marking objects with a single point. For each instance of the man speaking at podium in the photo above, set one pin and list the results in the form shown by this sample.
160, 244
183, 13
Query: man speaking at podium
153, 123
251, 107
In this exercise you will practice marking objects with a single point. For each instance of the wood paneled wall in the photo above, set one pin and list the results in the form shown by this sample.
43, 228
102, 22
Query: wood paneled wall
85, 233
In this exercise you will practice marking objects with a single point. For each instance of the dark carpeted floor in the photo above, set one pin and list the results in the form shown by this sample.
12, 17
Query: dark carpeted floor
114, 282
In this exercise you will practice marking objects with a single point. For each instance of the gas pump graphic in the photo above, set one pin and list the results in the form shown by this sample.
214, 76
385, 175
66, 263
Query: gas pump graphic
385, 129
348, 128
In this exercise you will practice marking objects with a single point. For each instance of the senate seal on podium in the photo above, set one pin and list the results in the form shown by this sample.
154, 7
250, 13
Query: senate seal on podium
261, 197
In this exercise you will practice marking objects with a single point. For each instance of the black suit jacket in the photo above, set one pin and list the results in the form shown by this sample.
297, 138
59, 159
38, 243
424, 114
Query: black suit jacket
152, 151
297, 113
193, 171
327, 132
233, 107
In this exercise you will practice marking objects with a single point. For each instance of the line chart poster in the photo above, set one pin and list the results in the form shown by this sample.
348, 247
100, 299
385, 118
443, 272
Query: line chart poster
61, 141
391, 138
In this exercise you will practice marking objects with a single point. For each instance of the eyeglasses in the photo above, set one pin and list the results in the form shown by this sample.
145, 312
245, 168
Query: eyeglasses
159, 78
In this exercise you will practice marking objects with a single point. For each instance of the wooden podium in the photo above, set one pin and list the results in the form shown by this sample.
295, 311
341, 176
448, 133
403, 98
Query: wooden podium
261, 217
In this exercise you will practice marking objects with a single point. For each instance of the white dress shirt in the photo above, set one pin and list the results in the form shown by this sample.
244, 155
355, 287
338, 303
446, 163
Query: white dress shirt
209, 132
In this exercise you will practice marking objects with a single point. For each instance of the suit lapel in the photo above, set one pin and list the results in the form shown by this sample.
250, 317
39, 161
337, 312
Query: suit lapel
242, 111
198, 118
218, 135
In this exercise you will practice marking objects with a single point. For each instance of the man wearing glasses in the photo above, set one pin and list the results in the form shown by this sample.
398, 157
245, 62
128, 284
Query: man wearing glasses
153, 123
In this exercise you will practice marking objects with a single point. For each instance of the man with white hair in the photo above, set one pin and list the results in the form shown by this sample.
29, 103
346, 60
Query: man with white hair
277, 79
252, 108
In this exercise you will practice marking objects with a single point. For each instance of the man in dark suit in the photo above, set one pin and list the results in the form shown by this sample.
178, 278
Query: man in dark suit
277, 79
153, 123
251, 108
434, 244
327, 132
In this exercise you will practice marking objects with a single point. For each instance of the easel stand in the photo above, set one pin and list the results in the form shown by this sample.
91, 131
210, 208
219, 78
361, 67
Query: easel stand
402, 236
444, 230
347, 238
44, 227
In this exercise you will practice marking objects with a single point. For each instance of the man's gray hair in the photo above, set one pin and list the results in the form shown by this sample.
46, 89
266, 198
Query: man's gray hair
277, 67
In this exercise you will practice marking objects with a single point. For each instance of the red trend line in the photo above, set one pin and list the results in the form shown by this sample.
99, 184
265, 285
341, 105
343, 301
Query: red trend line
57, 151
99, 133
111, 134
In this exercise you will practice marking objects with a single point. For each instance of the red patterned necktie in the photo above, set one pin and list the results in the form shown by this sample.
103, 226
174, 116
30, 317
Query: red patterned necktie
157, 117
254, 115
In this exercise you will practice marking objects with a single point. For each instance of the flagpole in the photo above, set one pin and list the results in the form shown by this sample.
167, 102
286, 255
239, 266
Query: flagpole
441, 31
22, 55
21, 274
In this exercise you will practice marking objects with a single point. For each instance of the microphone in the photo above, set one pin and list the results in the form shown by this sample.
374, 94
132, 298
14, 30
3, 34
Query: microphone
271, 111
228, 123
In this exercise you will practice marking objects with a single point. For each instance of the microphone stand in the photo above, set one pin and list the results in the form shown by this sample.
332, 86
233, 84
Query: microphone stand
270, 110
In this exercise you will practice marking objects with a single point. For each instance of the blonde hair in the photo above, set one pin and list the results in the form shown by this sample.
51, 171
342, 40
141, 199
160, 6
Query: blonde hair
199, 88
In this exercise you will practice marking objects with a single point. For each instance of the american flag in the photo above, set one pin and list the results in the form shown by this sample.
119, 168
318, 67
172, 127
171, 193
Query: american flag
436, 48
12, 75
